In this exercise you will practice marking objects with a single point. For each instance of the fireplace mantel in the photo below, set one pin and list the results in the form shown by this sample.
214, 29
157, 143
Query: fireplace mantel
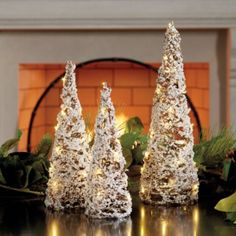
110, 14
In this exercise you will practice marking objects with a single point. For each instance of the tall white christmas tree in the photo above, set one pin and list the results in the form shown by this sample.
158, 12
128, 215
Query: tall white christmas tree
70, 155
169, 175
107, 196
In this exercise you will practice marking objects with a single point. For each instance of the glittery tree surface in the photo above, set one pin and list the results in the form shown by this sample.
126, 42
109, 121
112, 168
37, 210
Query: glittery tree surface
169, 175
70, 155
108, 196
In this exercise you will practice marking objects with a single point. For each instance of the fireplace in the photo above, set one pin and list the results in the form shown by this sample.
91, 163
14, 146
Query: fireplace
132, 91
70, 30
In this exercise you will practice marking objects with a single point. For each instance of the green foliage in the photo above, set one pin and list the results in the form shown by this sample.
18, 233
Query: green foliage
21, 171
128, 157
134, 125
213, 160
9, 144
228, 205
43, 148
133, 142
212, 152
216, 161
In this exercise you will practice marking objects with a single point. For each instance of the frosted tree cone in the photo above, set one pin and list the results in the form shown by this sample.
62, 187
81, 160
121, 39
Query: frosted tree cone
108, 196
70, 159
169, 175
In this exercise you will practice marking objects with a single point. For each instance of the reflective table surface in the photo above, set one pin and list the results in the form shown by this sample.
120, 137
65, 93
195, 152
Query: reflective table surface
31, 218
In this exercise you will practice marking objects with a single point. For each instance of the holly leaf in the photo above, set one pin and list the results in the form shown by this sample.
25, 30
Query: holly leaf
227, 204
128, 157
127, 140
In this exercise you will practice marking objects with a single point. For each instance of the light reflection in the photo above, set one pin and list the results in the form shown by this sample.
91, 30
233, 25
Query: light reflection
151, 221
195, 221
142, 221
76, 223
99, 233
142, 231
170, 220
142, 213
53, 228
164, 225
82, 234
129, 230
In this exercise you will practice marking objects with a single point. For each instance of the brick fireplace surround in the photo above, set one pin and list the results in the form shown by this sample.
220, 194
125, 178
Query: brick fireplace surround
34, 44
132, 92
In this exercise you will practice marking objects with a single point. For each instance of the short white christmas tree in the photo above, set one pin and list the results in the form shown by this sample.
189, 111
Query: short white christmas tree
169, 175
70, 158
107, 196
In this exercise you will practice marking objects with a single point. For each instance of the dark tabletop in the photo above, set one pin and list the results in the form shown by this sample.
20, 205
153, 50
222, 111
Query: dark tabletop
29, 217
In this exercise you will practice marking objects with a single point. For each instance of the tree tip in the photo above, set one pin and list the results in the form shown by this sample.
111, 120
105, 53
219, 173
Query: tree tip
171, 27
70, 66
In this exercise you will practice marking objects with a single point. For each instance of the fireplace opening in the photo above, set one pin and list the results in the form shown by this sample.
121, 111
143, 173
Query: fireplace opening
133, 86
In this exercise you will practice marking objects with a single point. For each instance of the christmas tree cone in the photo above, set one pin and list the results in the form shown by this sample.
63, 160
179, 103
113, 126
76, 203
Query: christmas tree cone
169, 175
70, 160
108, 196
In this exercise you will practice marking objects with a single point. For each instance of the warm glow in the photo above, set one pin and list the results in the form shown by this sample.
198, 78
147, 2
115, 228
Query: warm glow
104, 84
89, 135
120, 122
63, 113
53, 229
142, 230
164, 225
142, 213
57, 149
142, 222
195, 215
195, 221
152, 133
98, 172
171, 110
56, 127
82, 233
142, 189
103, 110
99, 233
167, 125
146, 154
195, 189
63, 80
129, 231
141, 170
171, 181
55, 186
